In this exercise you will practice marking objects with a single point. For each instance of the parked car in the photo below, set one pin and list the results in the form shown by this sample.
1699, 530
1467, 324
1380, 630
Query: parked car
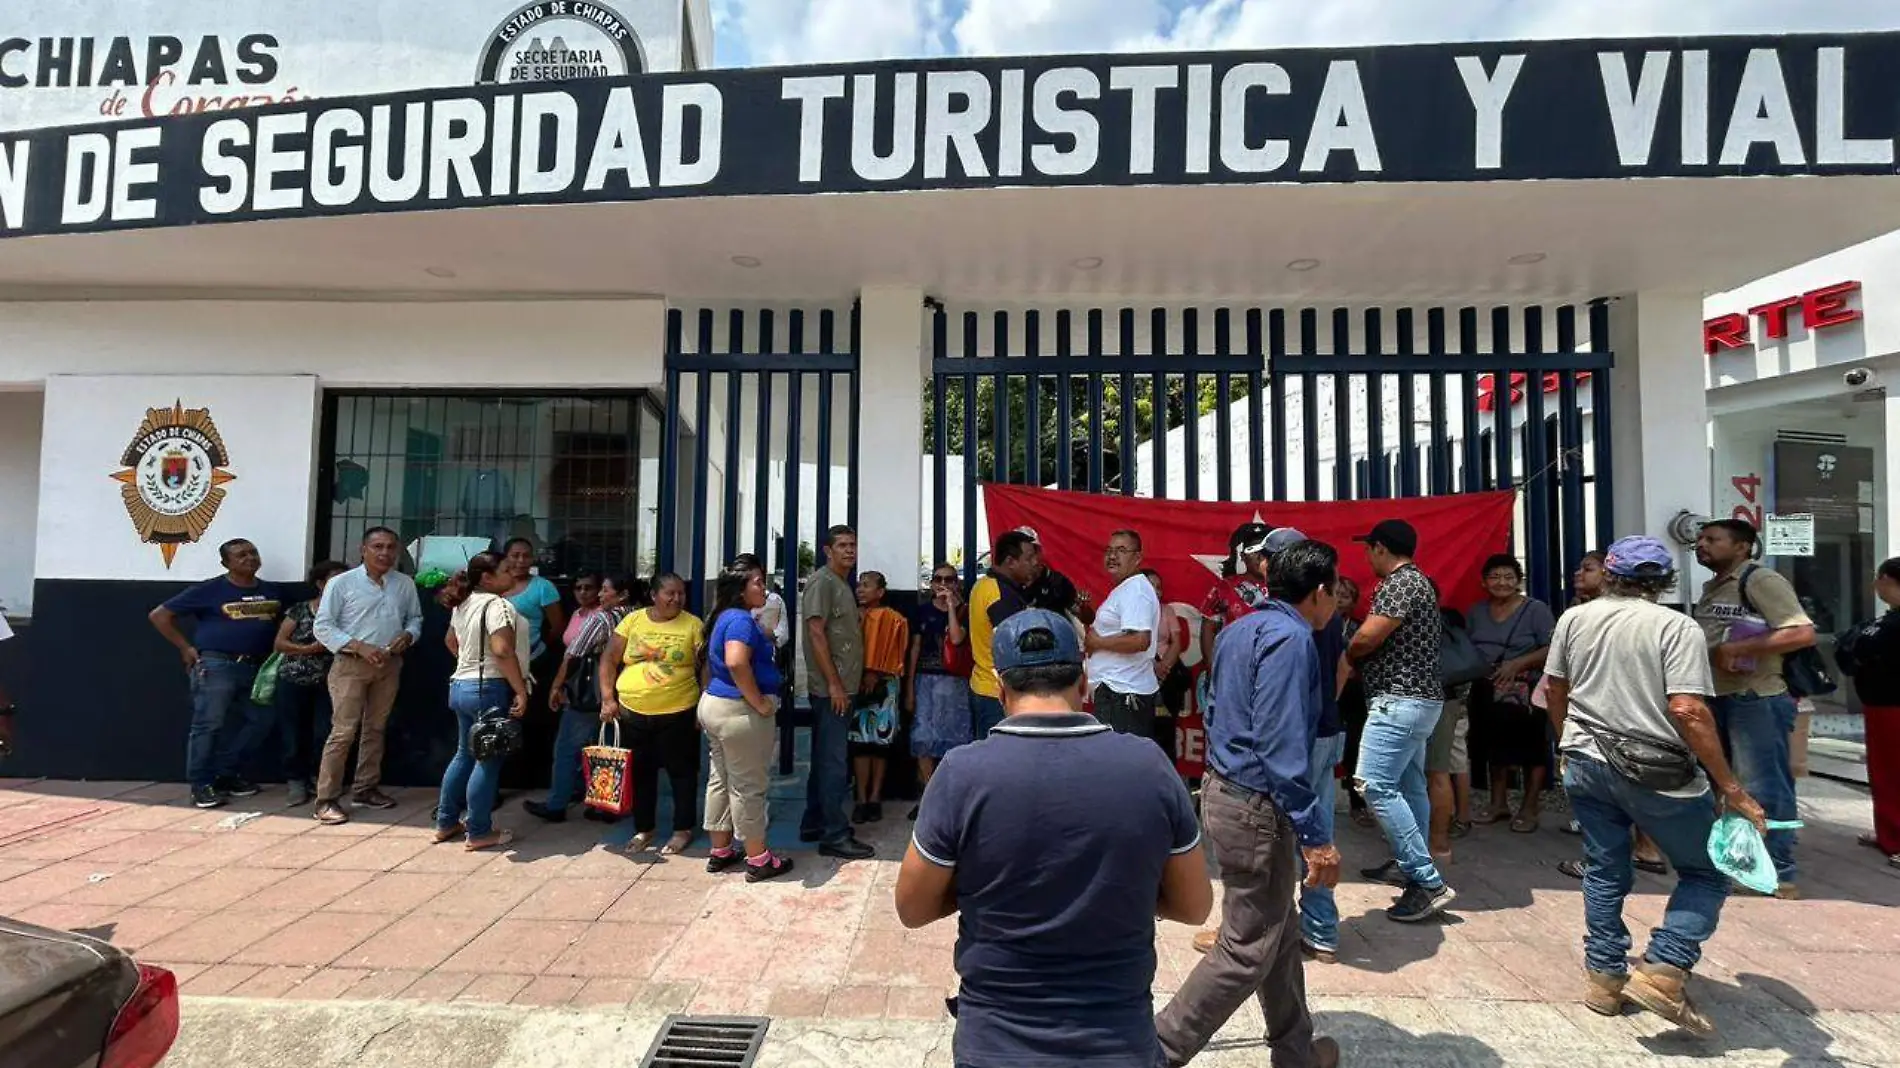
71, 1001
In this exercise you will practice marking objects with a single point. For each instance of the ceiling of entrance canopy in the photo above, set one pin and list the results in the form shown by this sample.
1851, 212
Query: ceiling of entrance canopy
1347, 242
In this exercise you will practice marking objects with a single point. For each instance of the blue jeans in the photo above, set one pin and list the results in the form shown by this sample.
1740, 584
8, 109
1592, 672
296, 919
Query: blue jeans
1392, 773
216, 748
578, 730
985, 714
470, 785
1606, 806
1756, 736
1319, 913
828, 790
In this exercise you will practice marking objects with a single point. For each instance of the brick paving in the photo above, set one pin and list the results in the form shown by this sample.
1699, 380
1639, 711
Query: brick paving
279, 907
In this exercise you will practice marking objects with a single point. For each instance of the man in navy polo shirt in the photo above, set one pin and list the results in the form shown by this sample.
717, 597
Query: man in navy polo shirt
1056, 842
235, 628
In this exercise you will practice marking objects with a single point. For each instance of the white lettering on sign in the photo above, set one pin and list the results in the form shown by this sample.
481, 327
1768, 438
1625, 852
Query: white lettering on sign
1831, 143
1634, 111
13, 160
1078, 126
1489, 92
1763, 113
812, 95
1341, 123
1235, 153
1143, 86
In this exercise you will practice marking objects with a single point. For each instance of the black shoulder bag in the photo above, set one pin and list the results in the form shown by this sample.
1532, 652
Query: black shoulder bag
1650, 763
1803, 670
495, 734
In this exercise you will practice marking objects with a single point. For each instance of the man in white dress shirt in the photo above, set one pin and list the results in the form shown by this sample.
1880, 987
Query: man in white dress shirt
1120, 643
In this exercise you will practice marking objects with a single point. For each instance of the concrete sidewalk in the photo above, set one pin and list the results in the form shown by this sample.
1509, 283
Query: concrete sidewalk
262, 914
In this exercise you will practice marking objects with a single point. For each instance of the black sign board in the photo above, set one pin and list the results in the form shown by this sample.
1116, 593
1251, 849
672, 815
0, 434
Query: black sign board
1791, 105
1833, 483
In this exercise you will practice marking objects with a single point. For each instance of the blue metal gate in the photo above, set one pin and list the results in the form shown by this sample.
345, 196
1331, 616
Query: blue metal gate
1286, 404
759, 451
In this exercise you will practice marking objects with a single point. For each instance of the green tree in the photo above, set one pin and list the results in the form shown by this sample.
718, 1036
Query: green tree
1083, 415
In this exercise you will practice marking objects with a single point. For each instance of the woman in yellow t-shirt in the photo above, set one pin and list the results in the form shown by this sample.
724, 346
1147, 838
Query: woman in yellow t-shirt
650, 679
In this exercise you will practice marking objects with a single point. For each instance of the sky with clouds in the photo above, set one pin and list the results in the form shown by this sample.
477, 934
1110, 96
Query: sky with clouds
770, 32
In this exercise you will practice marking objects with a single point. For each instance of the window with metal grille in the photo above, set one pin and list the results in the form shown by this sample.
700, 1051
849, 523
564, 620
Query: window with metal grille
578, 475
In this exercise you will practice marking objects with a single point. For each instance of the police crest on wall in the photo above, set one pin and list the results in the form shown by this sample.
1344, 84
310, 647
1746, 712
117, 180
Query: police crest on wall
173, 477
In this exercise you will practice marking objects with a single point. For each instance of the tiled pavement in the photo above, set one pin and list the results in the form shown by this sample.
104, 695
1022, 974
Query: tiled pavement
279, 907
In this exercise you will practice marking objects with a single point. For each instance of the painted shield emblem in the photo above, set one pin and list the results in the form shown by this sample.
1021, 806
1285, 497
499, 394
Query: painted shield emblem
173, 476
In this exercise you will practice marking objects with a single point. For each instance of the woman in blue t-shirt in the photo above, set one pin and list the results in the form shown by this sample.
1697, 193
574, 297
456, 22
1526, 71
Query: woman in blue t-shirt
535, 598
738, 712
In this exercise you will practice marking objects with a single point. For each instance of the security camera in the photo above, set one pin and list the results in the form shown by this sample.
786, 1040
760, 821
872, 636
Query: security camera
1858, 377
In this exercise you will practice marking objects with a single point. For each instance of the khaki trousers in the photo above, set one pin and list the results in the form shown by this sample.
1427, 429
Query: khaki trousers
361, 697
739, 743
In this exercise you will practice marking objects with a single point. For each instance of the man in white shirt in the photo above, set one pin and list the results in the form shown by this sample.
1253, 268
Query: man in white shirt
1120, 643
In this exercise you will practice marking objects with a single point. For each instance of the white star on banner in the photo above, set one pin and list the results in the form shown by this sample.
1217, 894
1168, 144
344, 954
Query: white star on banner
1217, 563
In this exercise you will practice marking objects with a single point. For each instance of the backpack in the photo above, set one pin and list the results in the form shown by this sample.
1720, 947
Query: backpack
1803, 670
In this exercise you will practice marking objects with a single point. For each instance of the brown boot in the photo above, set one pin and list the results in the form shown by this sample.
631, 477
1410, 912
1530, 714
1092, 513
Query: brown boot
1660, 988
1604, 993
1204, 941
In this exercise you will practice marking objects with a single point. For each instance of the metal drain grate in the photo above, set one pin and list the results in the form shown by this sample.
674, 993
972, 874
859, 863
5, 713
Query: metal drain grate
707, 1042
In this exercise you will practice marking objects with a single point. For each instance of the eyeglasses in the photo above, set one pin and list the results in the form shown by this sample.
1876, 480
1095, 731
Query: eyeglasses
942, 580
1120, 550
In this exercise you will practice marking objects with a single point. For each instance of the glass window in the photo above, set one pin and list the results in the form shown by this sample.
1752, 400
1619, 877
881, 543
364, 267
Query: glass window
565, 472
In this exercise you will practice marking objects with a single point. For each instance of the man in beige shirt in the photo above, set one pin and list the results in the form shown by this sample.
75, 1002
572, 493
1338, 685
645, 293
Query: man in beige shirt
1752, 619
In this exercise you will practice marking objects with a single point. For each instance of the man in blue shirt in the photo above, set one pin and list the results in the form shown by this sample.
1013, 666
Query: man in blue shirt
1263, 813
234, 627
1056, 842
368, 617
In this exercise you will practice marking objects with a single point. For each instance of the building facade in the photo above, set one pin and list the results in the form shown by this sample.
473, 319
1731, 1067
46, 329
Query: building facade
654, 319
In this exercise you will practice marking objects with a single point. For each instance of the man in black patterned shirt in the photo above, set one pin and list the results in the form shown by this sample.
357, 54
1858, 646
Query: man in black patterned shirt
1396, 653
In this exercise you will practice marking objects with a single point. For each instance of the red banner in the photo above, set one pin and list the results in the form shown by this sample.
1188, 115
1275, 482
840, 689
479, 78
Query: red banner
1185, 542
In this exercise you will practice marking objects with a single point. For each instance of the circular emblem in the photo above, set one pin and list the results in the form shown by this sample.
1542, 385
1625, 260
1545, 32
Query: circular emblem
173, 475
559, 40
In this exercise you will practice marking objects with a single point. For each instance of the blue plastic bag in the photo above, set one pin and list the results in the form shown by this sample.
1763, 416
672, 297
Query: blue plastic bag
1738, 851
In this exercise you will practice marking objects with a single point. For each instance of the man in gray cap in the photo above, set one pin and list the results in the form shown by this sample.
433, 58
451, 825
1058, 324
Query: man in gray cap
1629, 683
1056, 842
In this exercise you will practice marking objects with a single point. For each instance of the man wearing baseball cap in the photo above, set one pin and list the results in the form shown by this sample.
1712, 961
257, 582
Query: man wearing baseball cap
1396, 650
1056, 842
1628, 690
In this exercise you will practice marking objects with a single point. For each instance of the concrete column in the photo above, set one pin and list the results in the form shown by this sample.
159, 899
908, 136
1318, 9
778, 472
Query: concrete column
1886, 469
893, 368
1659, 432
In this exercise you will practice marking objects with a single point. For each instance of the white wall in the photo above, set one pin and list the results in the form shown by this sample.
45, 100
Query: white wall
323, 48
551, 344
1874, 264
20, 415
1660, 435
268, 425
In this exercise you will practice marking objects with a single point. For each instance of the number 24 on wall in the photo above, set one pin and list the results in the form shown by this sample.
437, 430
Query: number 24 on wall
1749, 486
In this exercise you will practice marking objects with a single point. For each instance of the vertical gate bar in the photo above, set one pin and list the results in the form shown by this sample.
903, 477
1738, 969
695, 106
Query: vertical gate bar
1309, 408
1600, 424
1536, 475
1503, 418
1409, 478
1441, 447
1375, 407
702, 414
1125, 440
1276, 348
762, 463
1472, 473
1191, 405
972, 470
1032, 399
1256, 418
1223, 408
735, 384
940, 440
851, 443
1158, 420
1342, 409
1570, 443
999, 402
822, 448
670, 447
788, 551
1065, 405
1096, 402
